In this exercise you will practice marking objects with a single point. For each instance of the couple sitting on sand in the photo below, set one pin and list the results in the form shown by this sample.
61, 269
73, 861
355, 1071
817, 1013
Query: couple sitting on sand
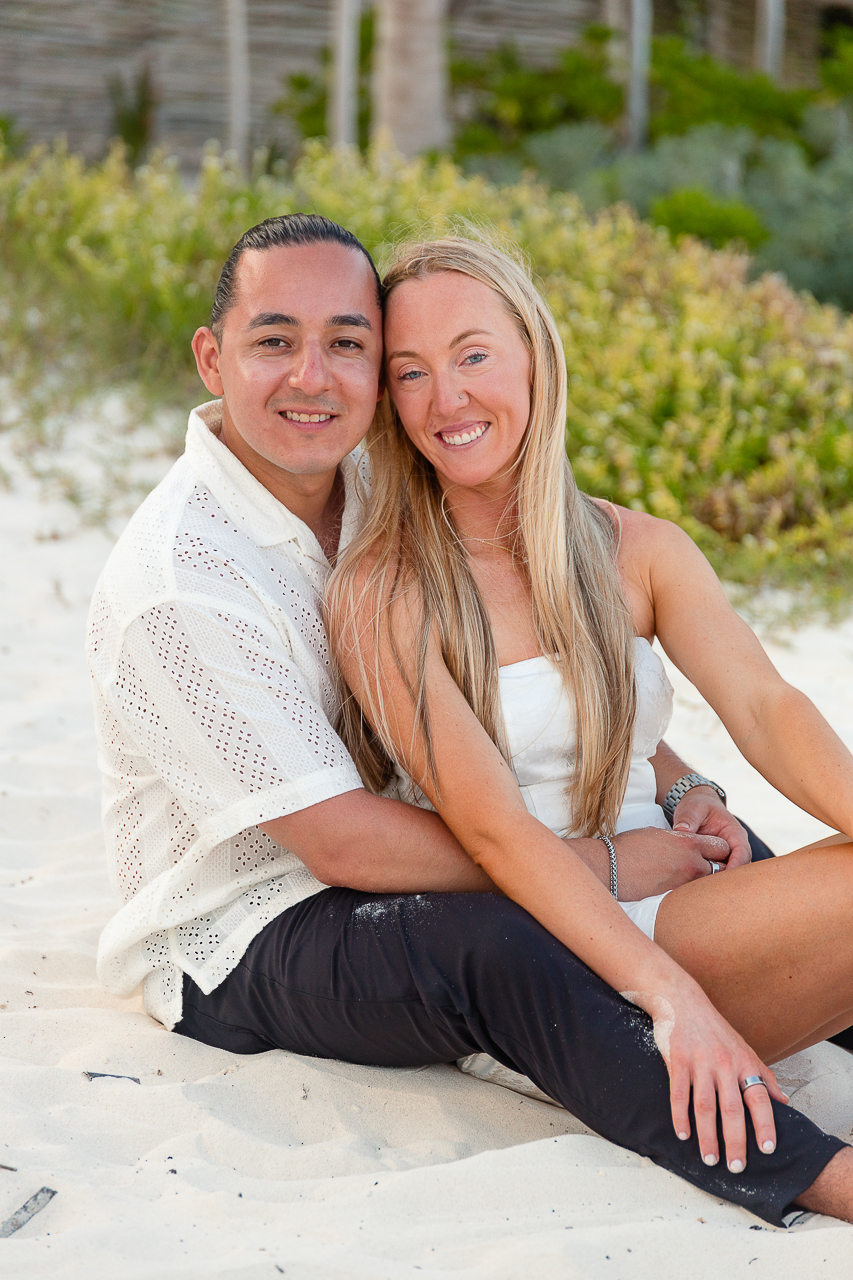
445, 839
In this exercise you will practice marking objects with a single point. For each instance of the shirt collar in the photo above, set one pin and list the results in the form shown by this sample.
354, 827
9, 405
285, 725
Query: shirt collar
248, 504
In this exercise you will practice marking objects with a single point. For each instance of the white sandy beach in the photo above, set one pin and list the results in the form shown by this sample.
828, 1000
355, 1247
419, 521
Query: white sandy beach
215, 1165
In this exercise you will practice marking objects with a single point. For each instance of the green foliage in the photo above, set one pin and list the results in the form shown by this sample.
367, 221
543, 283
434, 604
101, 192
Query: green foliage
691, 211
691, 89
305, 103
805, 207
13, 141
307, 96
836, 71
504, 100
723, 404
133, 113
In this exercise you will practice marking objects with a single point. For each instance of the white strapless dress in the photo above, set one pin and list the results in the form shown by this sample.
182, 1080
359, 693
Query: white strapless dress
540, 729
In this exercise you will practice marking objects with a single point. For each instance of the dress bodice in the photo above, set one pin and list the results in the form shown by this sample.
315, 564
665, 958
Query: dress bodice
539, 718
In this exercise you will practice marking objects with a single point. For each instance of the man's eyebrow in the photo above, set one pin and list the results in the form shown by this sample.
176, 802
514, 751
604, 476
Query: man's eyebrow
413, 355
271, 319
355, 320
268, 318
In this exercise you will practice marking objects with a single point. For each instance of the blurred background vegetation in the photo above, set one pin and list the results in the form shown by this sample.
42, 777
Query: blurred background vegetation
701, 284
732, 155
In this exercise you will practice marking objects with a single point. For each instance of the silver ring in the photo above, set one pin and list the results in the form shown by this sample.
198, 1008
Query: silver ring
715, 867
749, 1081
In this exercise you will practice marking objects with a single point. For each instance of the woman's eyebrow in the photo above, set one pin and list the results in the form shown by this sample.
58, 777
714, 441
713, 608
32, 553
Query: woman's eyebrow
413, 355
470, 333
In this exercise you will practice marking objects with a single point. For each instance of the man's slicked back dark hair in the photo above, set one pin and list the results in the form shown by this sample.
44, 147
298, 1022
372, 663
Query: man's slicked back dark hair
283, 232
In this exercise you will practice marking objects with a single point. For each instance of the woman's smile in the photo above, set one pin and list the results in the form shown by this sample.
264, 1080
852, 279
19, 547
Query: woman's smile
462, 434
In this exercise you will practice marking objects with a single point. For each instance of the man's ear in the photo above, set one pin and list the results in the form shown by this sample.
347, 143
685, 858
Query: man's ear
206, 352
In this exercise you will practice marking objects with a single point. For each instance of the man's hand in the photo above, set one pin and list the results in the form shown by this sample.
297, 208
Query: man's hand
651, 860
701, 811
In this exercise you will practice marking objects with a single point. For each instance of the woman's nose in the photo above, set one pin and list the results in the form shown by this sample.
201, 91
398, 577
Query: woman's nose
449, 395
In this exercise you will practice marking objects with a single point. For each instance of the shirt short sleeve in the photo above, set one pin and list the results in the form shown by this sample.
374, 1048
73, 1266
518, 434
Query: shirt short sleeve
215, 702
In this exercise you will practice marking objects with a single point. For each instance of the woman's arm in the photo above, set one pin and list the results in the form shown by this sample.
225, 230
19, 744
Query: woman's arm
477, 796
777, 728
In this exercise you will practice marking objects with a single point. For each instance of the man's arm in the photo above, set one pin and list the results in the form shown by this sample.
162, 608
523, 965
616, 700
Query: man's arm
378, 845
362, 841
701, 810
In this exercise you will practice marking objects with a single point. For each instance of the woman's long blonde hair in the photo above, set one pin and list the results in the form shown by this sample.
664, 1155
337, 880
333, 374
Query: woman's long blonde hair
563, 542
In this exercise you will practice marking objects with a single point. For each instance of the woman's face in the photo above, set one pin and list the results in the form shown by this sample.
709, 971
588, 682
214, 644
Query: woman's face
459, 375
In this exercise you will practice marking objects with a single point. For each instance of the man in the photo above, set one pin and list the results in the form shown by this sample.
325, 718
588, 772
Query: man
269, 900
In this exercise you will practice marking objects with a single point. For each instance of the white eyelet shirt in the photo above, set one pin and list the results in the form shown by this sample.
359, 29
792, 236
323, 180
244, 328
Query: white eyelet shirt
214, 705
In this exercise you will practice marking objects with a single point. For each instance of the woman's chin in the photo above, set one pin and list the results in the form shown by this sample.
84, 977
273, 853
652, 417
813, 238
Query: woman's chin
469, 477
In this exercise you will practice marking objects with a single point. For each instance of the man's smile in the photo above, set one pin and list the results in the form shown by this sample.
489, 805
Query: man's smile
293, 416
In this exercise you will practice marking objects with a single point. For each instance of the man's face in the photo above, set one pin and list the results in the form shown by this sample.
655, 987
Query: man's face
298, 366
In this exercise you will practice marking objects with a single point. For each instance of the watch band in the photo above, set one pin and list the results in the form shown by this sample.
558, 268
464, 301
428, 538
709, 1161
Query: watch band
679, 790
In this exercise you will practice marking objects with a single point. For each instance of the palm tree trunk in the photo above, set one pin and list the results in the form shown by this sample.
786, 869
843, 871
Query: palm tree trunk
239, 85
638, 85
770, 37
410, 75
342, 123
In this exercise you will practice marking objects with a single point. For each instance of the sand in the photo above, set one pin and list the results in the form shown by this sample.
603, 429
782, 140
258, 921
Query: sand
219, 1166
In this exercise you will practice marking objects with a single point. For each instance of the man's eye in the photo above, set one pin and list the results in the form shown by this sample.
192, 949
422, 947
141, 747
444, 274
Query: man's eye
274, 344
348, 344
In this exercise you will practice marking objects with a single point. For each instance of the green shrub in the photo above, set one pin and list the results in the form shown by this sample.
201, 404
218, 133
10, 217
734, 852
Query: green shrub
691, 89
723, 404
691, 211
305, 101
133, 113
501, 101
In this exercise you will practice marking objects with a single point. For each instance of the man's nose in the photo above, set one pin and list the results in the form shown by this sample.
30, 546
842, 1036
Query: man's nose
309, 372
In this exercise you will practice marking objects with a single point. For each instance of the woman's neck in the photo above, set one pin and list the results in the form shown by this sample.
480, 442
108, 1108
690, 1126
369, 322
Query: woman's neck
484, 517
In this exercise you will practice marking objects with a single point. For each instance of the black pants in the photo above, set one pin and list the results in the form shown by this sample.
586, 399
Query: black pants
404, 980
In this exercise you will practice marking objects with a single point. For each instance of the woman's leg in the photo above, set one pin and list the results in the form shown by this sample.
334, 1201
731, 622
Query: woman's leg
771, 944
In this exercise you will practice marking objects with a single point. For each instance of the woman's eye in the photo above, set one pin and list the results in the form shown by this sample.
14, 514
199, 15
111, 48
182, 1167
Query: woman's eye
475, 357
410, 375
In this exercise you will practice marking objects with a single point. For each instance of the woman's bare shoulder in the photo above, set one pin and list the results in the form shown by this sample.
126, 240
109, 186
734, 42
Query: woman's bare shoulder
638, 532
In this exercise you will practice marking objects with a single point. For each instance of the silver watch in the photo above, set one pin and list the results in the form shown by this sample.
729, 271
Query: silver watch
679, 790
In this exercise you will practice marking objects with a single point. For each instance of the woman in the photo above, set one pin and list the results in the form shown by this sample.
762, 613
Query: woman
491, 622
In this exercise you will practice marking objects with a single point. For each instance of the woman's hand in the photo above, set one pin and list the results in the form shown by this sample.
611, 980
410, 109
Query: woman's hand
706, 1058
653, 860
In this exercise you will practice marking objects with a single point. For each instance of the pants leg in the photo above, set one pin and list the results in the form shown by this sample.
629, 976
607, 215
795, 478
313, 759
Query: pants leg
760, 851
403, 980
